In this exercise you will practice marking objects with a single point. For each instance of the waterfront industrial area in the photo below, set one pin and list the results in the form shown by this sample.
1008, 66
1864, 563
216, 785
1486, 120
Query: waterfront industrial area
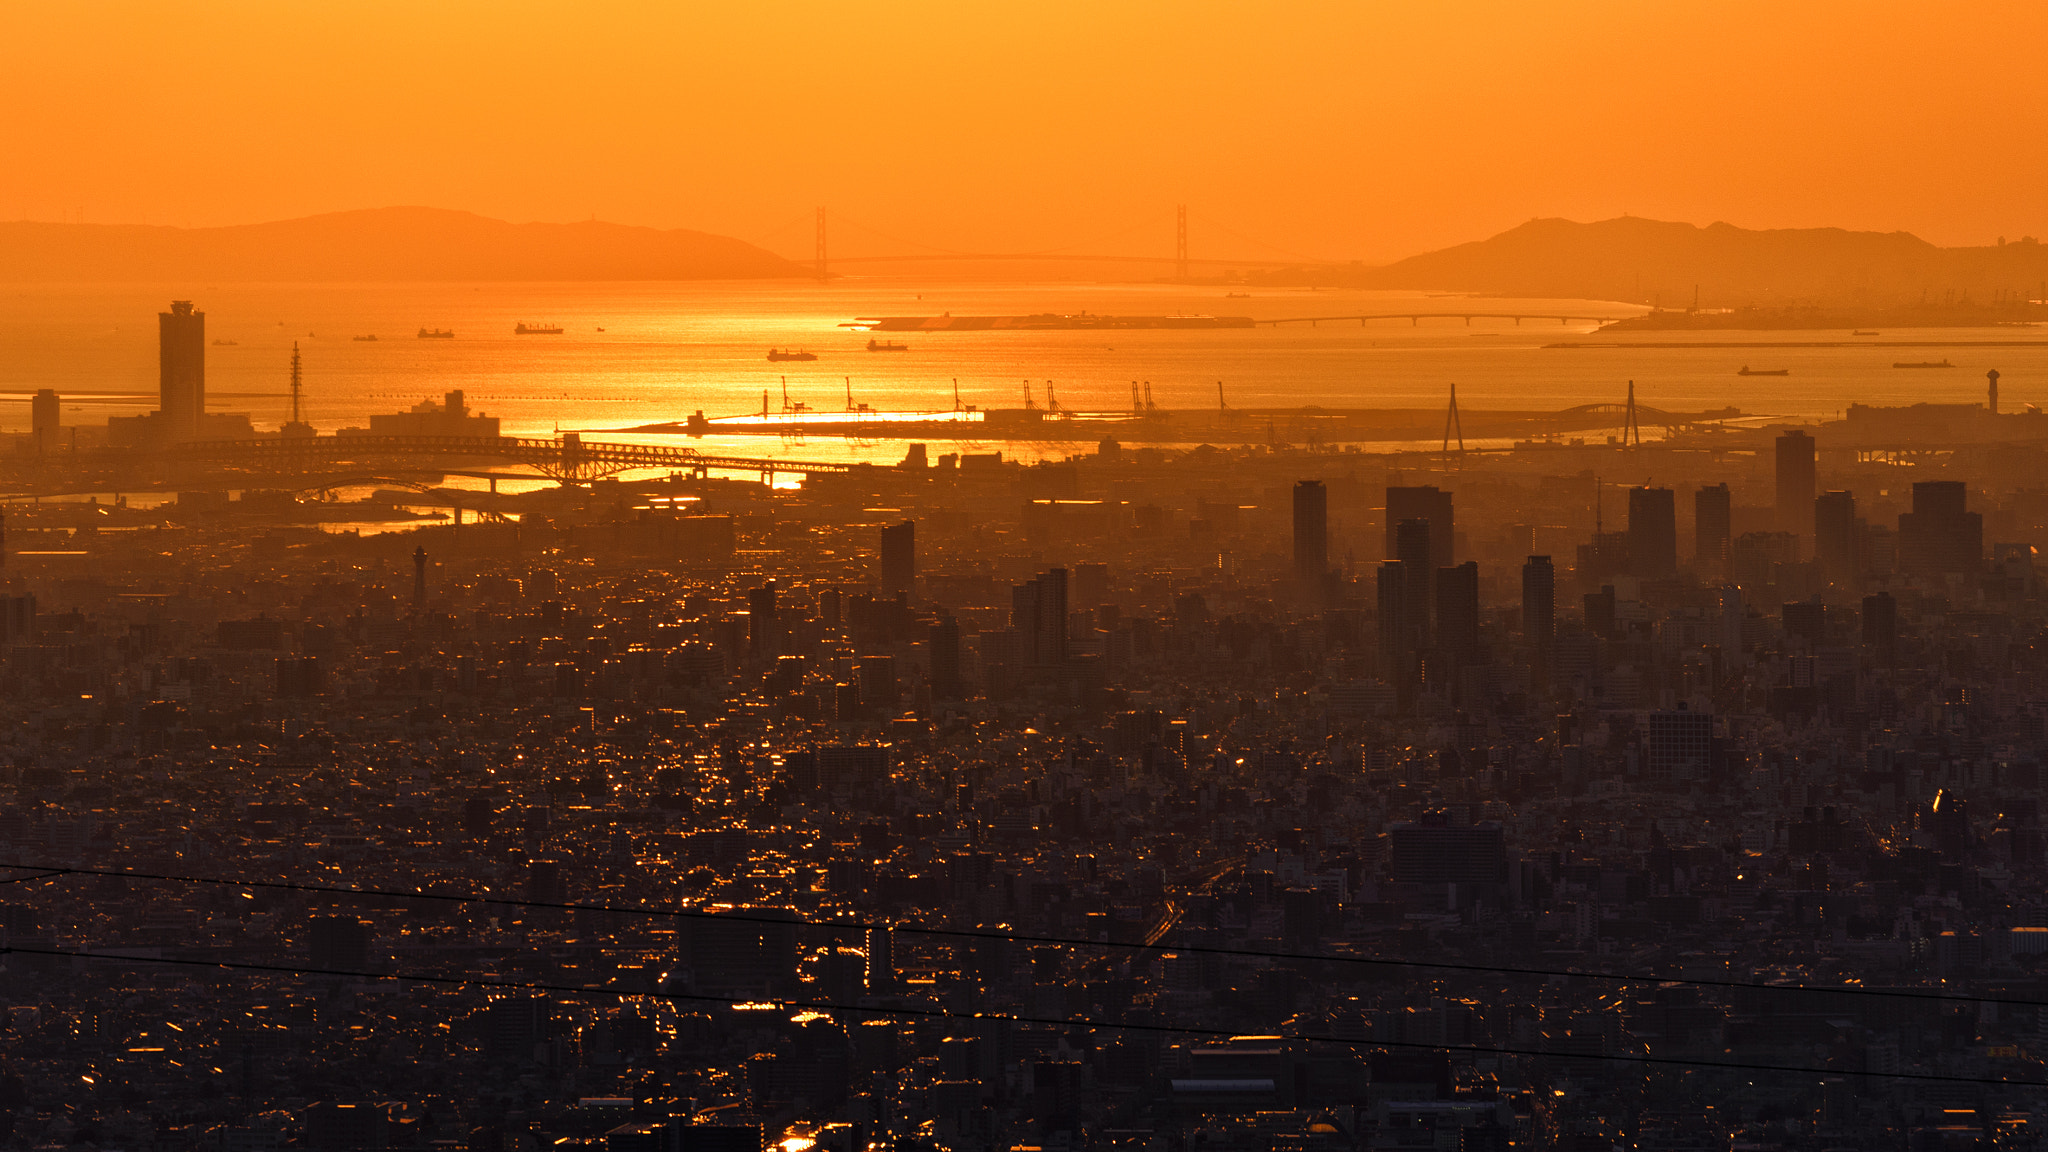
1203, 781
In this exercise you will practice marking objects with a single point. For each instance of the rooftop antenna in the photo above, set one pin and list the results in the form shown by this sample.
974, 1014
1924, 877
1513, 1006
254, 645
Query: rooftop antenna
295, 381
1630, 426
1451, 422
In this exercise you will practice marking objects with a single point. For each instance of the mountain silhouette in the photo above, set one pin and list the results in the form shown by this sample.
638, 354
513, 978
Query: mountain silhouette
1661, 262
379, 244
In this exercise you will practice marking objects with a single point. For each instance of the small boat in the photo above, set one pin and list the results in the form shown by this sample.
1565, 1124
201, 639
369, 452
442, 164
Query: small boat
886, 346
777, 355
371, 336
537, 330
1748, 371
1237, 295
223, 343
1861, 332
1922, 364
600, 328
437, 334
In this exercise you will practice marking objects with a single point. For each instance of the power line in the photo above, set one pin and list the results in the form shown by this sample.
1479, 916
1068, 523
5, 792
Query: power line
1025, 938
993, 1017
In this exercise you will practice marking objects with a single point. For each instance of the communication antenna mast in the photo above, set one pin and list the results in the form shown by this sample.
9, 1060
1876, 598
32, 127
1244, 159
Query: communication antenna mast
295, 382
1630, 427
821, 244
1451, 422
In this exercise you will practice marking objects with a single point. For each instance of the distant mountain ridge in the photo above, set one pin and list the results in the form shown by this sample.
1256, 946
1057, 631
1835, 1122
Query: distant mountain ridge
379, 244
1661, 262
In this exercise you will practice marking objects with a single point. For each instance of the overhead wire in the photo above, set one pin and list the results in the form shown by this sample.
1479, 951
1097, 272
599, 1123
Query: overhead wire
998, 1017
986, 935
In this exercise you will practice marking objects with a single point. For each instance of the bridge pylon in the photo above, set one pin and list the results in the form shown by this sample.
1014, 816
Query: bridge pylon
1453, 426
821, 244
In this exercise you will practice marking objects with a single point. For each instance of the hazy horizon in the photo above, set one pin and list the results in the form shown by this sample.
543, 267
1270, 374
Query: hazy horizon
1319, 130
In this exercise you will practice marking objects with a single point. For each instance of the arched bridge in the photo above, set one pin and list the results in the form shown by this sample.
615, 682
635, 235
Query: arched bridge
569, 459
1611, 415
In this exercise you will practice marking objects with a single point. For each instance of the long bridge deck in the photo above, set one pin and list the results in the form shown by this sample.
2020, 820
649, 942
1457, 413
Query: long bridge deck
569, 458
1415, 318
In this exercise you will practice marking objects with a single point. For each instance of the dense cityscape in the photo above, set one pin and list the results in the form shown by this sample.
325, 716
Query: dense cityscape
1662, 794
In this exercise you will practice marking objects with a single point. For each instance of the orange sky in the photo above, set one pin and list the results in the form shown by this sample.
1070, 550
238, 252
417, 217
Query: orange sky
1344, 130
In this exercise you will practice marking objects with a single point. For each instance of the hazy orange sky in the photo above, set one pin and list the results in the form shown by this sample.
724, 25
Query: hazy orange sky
1344, 130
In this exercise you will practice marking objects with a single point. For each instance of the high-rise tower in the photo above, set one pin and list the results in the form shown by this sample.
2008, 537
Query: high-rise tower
1795, 483
1422, 503
1652, 532
1311, 531
181, 362
1712, 513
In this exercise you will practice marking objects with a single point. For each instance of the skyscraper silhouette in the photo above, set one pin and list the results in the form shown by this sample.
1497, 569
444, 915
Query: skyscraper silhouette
1940, 534
1834, 536
1795, 474
181, 366
1423, 503
1539, 612
1712, 514
1311, 531
1038, 613
899, 556
1652, 532
1457, 612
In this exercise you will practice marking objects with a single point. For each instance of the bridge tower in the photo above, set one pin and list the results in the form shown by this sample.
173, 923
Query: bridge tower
821, 244
1180, 244
1630, 429
1453, 427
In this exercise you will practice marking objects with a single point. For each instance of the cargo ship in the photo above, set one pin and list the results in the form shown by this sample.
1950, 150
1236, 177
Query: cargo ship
437, 334
1922, 364
778, 355
537, 330
1748, 371
887, 346
1039, 322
